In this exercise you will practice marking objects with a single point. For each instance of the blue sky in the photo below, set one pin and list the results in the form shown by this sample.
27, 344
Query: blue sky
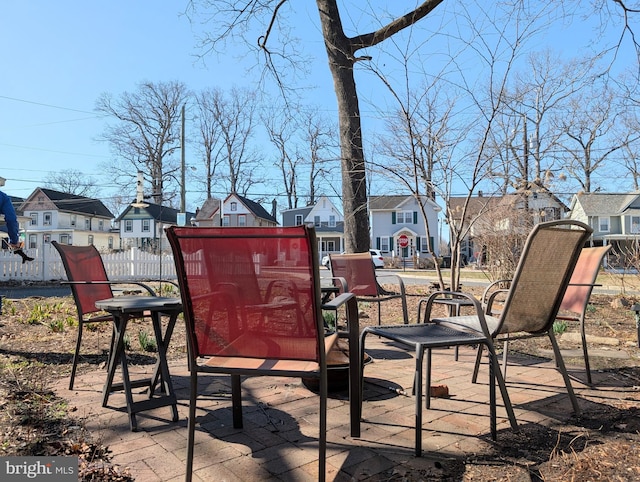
59, 56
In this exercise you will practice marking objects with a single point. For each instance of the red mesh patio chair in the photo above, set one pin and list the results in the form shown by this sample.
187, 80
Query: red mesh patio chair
359, 273
576, 298
89, 283
252, 307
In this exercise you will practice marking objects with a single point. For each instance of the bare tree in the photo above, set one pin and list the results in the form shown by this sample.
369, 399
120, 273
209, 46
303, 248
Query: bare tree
342, 51
319, 150
73, 182
441, 139
281, 127
210, 140
590, 134
227, 124
145, 135
235, 18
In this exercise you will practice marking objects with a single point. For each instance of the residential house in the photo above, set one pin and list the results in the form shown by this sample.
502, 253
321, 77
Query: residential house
495, 214
68, 219
142, 225
327, 221
394, 217
615, 219
209, 213
236, 211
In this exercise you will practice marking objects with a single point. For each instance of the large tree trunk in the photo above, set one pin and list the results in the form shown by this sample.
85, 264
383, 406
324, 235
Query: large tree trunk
354, 182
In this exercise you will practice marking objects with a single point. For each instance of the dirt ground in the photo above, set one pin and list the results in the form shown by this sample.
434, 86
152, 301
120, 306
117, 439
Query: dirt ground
37, 338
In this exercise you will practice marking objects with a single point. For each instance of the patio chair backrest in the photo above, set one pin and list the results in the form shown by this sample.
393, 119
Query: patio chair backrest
249, 292
358, 270
542, 275
584, 276
84, 263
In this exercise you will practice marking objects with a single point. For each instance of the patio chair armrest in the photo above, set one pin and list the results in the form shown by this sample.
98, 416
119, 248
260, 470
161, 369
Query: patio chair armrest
169, 281
398, 279
472, 300
493, 287
112, 283
488, 303
351, 312
341, 283
337, 302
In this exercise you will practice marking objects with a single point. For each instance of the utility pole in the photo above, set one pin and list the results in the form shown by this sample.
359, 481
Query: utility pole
183, 191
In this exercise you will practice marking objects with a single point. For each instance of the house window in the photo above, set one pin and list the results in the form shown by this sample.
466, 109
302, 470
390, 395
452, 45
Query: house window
425, 245
316, 221
404, 217
299, 220
242, 219
101, 225
146, 225
331, 246
46, 219
110, 242
332, 221
635, 224
64, 239
34, 219
33, 241
384, 244
234, 206
46, 238
128, 225
87, 224
603, 224
90, 239
74, 219
225, 220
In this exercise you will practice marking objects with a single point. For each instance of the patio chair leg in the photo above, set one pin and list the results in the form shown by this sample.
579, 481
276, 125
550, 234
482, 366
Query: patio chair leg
236, 401
191, 423
322, 436
427, 384
505, 357
493, 361
476, 368
418, 387
585, 351
565, 374
492, 396
74, 366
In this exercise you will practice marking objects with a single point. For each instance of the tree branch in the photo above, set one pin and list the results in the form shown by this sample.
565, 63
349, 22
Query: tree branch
374, 38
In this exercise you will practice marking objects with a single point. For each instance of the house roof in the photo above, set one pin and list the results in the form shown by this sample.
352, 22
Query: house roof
256, 208
477, 205
389, 203
208, 210
78, 204
163, 214
605, 204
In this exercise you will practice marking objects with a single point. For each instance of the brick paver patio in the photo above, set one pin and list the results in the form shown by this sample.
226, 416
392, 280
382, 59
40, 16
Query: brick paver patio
279, 438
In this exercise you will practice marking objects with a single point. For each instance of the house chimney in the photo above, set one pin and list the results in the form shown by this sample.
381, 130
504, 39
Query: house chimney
274, 209
480, 193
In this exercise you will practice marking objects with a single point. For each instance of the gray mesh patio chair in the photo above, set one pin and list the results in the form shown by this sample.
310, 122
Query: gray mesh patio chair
530, 308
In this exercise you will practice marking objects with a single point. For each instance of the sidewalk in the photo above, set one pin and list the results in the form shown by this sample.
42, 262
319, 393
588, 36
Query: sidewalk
279, 439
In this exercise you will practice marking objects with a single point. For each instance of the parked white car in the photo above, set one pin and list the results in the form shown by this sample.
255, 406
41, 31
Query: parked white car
376, 257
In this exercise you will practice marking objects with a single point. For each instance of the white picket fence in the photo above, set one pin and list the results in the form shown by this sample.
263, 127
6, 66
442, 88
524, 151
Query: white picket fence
122, 266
